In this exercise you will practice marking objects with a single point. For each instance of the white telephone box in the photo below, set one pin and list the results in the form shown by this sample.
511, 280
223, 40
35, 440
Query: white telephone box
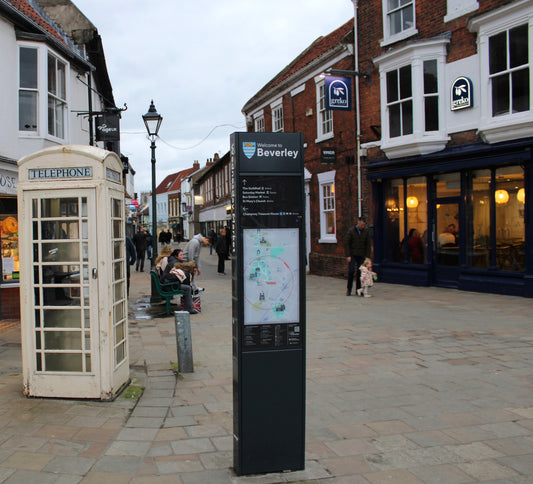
73, 273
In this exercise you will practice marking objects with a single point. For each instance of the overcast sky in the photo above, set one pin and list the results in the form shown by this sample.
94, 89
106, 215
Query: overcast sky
200, 61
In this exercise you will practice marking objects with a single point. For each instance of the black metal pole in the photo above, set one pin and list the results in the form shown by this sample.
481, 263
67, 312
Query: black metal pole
155, 297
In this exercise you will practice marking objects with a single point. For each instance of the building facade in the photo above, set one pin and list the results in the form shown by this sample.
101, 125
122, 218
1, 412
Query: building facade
447, 129
295, 101
52, 64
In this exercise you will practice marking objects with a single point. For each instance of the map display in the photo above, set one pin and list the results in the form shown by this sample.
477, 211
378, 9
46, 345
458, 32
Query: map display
271, 276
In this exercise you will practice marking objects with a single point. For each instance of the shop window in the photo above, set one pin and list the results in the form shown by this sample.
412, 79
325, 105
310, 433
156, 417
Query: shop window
325, 116
509, 199
398, 20
9, 239
448, 185
480, 247
406, 221
327, 207
497, 195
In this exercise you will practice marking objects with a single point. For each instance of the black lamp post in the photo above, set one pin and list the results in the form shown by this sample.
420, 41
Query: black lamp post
152, 120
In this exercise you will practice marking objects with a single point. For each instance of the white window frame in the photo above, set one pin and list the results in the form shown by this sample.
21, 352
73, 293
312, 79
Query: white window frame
259, 122
324, 117
42, 130
327, 178
277, 116
389, 38
420, 141
513, 125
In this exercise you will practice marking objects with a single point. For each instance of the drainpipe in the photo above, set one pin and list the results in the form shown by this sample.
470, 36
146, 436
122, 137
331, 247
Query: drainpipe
357, 111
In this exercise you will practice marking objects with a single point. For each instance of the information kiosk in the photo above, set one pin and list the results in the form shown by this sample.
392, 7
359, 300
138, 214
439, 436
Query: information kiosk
268, 302
73, 273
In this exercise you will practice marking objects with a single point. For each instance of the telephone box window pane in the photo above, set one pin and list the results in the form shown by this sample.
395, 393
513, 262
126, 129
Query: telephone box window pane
117, 226
85, 252
119, 332
37, 340
86, 319
34, 208
61, 252
62, 318
118, 270
119, 312
119, 353
88, 363
117, 206
119, 291
87, 341
117, 249
37, 318
62, 340
59, 230
63, 362
84, 207
59, 207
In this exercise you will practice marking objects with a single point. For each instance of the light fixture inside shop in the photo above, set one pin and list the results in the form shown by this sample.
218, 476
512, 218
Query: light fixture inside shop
501, 196
412, 202
521, 195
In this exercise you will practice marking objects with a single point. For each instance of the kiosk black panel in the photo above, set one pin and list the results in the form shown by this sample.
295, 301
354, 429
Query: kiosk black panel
268, 302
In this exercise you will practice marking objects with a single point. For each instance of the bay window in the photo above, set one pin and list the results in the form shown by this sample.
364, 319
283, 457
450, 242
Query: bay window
43, 88
411, 85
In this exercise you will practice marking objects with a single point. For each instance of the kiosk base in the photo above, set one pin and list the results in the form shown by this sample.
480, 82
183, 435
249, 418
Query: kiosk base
270, 431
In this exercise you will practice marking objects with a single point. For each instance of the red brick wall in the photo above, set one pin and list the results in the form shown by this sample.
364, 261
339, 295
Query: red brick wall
10, 303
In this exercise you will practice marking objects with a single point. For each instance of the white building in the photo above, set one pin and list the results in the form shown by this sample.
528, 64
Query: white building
52, 62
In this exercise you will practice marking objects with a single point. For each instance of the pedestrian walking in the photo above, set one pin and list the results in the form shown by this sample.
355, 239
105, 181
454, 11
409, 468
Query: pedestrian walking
139, 239
131, 257
212, 235
149, 242
367, 278
222, 251
357, 247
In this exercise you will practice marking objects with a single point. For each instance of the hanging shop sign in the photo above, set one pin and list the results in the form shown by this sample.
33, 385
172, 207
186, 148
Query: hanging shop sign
107, 127
339, 93
462, 94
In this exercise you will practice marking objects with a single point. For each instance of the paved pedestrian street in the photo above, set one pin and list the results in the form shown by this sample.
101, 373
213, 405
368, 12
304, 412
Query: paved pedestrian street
414, 385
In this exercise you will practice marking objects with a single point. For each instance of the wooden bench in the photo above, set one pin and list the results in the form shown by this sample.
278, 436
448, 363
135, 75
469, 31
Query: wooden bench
168, 291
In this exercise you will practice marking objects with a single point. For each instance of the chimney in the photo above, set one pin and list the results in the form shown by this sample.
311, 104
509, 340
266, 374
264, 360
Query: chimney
216, 158
196, 165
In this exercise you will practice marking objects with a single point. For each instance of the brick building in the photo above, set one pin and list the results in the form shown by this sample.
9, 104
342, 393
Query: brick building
447, 126
294, 101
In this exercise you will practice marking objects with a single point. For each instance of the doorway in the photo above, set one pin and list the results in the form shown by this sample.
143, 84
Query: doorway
446, 242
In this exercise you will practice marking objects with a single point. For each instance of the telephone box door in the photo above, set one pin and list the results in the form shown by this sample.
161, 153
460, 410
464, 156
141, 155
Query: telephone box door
65, 331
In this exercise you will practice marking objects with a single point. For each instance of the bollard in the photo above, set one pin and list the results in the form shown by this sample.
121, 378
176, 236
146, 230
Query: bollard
184, 341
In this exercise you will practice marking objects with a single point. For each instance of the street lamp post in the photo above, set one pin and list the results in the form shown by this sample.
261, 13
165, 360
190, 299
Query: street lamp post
152, 120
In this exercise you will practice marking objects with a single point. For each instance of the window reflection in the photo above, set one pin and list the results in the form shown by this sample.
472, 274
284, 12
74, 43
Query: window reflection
480, 247
510, 227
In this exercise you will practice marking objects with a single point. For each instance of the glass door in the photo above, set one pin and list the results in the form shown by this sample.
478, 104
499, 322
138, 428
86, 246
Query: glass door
65, 298
446, 246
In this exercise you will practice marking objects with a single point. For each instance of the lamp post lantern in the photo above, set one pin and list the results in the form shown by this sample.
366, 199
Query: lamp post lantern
152, 120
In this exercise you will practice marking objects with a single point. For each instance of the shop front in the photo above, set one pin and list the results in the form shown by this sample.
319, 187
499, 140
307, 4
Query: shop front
9, 239
459, 218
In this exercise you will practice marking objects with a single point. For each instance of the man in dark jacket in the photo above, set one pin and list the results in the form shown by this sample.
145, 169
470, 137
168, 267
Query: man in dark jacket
131, 257
357, 247
139, 239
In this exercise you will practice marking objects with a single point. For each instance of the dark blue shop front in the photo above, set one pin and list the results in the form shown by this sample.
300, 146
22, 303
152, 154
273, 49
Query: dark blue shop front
460, 218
